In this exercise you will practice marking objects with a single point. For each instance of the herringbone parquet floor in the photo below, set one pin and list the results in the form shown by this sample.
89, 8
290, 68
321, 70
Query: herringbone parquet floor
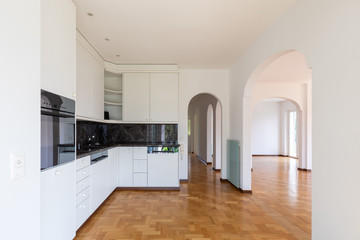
205, 208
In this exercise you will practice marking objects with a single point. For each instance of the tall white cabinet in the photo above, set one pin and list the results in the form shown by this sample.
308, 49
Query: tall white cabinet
58, 47
150, 97
57, 200
89, 84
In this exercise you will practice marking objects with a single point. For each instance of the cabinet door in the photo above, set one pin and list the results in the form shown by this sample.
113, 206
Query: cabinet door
140, 152
83, 81
163, 170
113, 169
58, 202
164, 97
58, 47
136, 97
97, 96
99, 184
125, 167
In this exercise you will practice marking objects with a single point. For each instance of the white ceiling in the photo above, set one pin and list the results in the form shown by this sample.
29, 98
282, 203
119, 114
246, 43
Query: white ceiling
190, 33
290, 68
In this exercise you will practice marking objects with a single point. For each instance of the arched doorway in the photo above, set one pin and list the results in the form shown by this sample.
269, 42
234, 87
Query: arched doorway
205, 129
276, 128
285, 75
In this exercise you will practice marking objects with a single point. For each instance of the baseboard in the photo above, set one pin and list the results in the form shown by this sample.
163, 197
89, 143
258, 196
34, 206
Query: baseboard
273, 155
202, 160
184, 180
149, 188
216, 170
304, 169
242, 191
245, 191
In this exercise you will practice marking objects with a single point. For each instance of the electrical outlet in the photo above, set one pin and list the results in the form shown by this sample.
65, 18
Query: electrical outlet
17, 165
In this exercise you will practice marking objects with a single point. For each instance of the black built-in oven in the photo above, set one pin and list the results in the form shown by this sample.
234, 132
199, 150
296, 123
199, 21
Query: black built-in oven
57, 130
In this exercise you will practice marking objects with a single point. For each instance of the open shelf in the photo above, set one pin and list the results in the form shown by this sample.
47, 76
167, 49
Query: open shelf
113, 103
112, 91
113, 95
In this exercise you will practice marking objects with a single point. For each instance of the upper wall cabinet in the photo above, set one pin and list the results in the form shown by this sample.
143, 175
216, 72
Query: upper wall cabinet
150, 97
58, 47
89, 85
136, 97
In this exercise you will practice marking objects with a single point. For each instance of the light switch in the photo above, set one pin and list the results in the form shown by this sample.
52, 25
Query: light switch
17, 165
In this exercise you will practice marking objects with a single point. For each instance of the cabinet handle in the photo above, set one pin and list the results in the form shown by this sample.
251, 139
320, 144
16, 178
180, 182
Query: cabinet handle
57, 172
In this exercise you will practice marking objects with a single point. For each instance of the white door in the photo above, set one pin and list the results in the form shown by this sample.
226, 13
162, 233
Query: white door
136, 97
164, 97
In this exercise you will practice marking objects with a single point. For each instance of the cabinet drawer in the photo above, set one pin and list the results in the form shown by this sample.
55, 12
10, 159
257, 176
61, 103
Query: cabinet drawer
82, 196
82, 212
140, 152
80, 186
82, 173
82, 162
140, 179
140, 166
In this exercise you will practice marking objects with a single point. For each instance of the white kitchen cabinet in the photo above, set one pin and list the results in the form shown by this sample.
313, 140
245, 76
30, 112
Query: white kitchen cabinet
113, 157
99, 184
89, 84
136, 97
82, 190
150, 97
58, 202
125, 167
140, 180
140, 152
164, 97
97, 90
163, 170
58, 47
83, 81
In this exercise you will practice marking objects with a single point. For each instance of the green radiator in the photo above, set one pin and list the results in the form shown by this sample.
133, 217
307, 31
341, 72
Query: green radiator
233, 162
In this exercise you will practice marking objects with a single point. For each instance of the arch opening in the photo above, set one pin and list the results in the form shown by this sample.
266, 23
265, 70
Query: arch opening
284, 75
205, 129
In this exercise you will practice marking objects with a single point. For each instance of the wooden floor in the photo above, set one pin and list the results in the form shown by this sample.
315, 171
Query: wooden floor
205, 208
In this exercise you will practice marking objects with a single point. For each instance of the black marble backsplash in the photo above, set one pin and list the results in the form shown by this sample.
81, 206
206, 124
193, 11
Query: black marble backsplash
95, 133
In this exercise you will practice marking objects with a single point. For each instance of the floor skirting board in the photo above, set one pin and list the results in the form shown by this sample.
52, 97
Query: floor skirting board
273, 155
241, 190
149, 188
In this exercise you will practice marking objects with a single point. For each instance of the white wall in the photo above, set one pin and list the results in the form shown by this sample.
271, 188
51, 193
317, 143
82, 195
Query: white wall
324, 32
191, 83
20, 119
267, 128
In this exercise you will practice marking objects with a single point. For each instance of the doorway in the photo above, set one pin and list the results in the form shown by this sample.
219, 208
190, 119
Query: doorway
205, 130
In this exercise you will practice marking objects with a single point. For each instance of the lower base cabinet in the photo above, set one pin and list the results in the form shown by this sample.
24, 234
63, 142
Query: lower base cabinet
99, 184
57, 200
163, 170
